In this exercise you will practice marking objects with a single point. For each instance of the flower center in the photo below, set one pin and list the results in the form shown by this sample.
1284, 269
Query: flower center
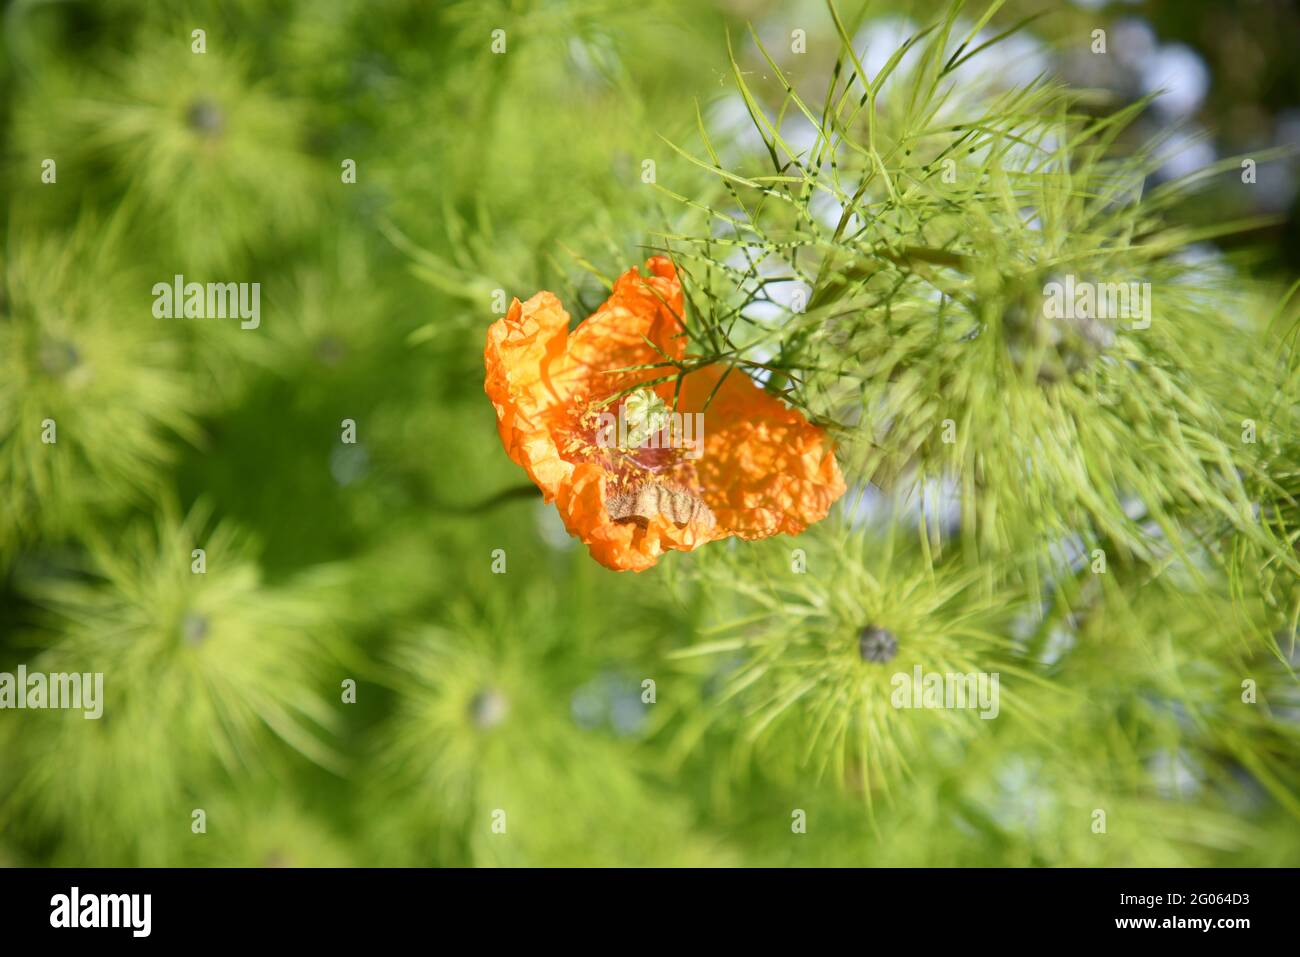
648, 471
205, 117
877, 644
633, 438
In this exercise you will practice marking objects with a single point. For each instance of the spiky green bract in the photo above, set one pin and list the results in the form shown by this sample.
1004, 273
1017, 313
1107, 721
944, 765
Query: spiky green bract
90, 399
189, 138
1136, 723
789, 676
916, 224
207, 673
520, 746
334, 318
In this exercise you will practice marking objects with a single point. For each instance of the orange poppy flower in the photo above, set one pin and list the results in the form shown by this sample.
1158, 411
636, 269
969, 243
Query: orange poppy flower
631, 475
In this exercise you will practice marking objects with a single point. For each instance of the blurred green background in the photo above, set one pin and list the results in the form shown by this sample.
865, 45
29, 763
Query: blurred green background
329, 562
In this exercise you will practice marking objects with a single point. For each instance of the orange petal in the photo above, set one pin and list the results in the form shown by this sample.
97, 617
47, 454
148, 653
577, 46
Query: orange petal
615, 336
765, 469
619, 545
523, 348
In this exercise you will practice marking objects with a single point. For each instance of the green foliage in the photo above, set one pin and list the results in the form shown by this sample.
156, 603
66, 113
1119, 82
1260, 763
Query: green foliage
353, 678
70, 356
921, 237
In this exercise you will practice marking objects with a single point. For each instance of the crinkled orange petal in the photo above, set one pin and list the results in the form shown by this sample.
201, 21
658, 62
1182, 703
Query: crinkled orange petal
765, 469
522, 349
616, 545
615, 337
